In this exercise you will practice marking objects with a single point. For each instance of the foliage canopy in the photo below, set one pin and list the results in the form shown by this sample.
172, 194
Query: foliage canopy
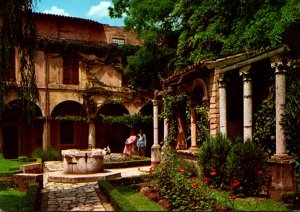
209, 29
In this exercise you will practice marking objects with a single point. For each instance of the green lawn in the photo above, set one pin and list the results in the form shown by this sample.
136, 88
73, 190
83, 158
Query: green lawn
250, 204
7, 166
140, 202
11, 200
258, 205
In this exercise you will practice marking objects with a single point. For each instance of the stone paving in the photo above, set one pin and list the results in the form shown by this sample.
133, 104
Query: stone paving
78, 196
74, 197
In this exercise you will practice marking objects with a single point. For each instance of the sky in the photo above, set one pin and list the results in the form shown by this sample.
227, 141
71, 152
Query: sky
96, 10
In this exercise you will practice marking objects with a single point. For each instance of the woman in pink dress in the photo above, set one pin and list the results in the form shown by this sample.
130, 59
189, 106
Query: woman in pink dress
129, 144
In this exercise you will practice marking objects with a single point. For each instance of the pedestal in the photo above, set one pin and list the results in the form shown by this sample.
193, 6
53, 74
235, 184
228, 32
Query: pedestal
155, 155
281, 176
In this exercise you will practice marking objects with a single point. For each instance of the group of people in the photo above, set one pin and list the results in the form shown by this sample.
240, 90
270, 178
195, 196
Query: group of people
139, 140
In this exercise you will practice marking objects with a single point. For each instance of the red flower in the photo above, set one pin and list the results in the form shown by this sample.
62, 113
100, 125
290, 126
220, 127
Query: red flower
213, 173
236, 183
151, 170
232, 196
154, 163
194, 178
206, 179
260, 172
195, 185
181, 169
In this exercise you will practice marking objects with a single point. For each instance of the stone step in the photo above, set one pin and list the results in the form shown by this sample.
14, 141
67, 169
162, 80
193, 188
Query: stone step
22, 180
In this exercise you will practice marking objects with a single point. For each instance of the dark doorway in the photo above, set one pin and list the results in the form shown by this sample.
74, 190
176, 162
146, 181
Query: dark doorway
10, 142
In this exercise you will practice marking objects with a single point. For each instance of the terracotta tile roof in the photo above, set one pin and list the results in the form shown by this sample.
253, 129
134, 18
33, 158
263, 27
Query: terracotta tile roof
186, 71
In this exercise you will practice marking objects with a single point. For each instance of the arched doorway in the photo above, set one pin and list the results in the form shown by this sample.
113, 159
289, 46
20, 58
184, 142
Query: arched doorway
19, 136
147, 110
115, 135
70, 132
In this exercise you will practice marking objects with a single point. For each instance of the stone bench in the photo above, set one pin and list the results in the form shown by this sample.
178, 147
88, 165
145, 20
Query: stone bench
22, 180
32, 168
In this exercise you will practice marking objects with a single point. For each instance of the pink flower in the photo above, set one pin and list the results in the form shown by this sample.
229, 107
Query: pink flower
236, 183
206, 179
259, 172
213, 173
181, 169
151, 170
232, 196
195, 185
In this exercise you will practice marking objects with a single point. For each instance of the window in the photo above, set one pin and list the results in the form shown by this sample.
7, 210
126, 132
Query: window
66, 132
119, 41
71, 71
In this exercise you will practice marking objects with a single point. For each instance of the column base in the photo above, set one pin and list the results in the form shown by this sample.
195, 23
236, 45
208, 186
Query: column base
193, 149
155, 155
281, 176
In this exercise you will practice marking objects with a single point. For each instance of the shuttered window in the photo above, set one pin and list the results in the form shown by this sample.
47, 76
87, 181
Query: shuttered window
71, 71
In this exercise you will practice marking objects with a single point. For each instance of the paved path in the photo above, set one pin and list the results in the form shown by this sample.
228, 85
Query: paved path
80, 196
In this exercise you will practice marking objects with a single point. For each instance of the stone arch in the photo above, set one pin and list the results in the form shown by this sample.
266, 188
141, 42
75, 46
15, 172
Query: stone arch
60, 104
200, 83
147, 110
113, 136
70, 133
19, 136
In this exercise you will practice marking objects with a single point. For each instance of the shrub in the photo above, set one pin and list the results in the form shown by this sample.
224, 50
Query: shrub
264, 126
50, 155
178, 182
212, 159
30, 201
246, 168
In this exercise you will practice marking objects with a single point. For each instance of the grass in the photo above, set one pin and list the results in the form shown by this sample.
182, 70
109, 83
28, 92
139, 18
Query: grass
11, 200
126, 198
9, 165
250, 203
141, 202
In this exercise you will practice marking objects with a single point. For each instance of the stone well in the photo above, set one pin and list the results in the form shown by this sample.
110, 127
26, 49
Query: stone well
77, 161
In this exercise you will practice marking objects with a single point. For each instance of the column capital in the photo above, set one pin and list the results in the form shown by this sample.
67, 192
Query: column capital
278, 63
222, 82
245, 72
154, 101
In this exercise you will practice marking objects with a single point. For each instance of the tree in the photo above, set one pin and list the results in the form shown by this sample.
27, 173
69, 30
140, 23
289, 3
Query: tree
17, 30
152, 20
210, 29
219, 27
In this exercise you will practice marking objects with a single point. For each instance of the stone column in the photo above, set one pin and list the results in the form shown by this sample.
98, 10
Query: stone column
247, 90
223, 106
281, 166
166, 129
193, 129
92, 134
46, 134
155, 149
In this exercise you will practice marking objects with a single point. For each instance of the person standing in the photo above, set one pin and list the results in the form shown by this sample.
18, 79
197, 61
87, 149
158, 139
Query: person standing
141, 143
129, 143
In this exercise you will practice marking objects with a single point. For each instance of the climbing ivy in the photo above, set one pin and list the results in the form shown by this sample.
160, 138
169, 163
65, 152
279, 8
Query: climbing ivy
131, 121
17, 29
170, 104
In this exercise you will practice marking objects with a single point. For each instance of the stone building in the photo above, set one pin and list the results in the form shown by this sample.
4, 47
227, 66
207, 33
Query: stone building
75, 62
